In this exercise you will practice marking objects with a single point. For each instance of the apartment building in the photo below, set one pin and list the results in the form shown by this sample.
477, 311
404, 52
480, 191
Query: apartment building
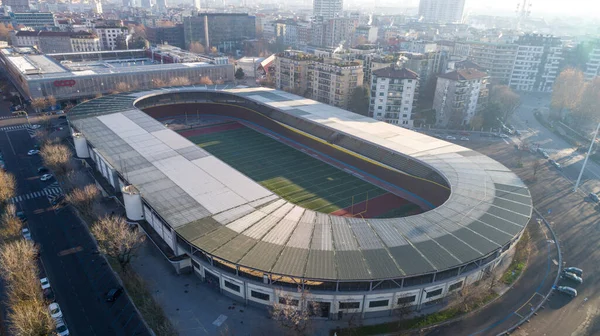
85, 42
497, 58
332, 32
424, 65
327, 9
224, 31
592, 67
459, 96
327, 80
442, 11
45, 41
110, 35
394, 92
536, 63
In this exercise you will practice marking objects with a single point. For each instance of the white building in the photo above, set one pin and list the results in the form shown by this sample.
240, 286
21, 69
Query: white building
459, 95
442, 11
592, 67
327, 9
536, 63
84, 42
393, 95
110, 35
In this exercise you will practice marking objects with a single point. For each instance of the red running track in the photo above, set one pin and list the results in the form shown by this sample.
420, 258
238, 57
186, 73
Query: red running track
375, 207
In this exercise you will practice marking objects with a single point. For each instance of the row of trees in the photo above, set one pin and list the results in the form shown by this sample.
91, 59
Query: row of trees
114, 236
158, 83
27, 309
571, 92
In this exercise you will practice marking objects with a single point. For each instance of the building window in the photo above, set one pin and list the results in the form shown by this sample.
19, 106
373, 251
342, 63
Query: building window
379, 107
260, 296
410, 80
232, 286
406, 300
434, 293
378, 303
404, 115
455, 286
381, 93
289, 302
349, 305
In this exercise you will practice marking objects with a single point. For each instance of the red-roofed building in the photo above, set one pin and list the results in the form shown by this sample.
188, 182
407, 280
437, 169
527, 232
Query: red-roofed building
394, 92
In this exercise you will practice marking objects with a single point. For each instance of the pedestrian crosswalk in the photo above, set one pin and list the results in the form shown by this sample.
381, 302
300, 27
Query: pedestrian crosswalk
14, 127
48, 191
9, 117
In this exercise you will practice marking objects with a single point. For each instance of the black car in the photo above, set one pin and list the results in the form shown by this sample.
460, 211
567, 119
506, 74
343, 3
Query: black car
42, 170
114, 294
555, 164
49, 295
62, 117
21, 216
594, 197
60, 200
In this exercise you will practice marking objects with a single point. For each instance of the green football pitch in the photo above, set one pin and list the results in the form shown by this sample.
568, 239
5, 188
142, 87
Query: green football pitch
293, 175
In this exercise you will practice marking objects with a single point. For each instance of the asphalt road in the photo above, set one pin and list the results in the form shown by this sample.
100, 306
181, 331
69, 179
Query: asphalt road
78, 275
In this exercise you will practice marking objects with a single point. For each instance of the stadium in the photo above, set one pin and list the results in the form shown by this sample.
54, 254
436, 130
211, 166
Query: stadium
263, 193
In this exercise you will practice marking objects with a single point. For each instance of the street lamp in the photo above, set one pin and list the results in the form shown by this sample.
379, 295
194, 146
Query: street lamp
586, 158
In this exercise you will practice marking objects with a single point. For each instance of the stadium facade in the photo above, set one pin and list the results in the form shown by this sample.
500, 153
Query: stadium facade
252, 245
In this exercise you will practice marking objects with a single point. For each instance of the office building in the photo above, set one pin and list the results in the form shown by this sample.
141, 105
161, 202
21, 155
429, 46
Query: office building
394, 92
537, 63
17, 5
224, 31
35, 20
459, 96
327, 9
441, 11
75, 76
497, 58
170, 35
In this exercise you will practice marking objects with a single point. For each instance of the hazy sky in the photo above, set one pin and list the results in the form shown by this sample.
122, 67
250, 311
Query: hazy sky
540, 7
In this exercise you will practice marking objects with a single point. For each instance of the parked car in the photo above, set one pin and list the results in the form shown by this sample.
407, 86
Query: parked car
61, 327
502, 135
33, 152
45, 283
574, 270
21, 216
464, 139
450, 137
572, 292
60, 200
49, 294
35, 126
573, 277
545, 154
55, 311
46, 177
26, 233
42, 170
113, 294
62, 117
594, 197
555, 164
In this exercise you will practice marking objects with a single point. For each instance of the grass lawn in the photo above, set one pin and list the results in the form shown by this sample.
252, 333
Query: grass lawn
293, 175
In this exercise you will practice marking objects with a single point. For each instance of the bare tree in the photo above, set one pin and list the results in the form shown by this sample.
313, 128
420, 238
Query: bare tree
506, 98
294, 313
586, 109
84, 199
30, 318
213, 50
51, 100
8, 186
57, 157
122, 87
116, 239
567, 89
158, 83
205, 80
10, 225
179, 81
219, 82
39, 104
19, 271
537, 164
196, 47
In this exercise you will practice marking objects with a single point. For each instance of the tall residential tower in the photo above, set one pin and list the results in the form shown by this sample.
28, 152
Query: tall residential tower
327, 9
442, 11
